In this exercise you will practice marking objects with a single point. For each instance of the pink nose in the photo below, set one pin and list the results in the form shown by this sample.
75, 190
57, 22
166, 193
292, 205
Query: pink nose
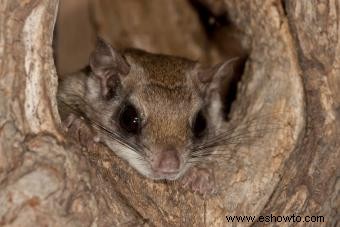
168, 161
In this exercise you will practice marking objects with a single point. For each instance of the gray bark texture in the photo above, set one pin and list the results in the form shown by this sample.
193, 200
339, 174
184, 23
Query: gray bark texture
288, 100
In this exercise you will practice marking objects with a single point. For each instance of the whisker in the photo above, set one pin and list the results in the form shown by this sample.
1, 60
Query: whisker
102, 129
247, 126
231, 138
83, 101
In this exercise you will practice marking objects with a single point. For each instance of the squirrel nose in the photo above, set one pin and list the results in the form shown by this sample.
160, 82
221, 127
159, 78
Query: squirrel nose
168, 161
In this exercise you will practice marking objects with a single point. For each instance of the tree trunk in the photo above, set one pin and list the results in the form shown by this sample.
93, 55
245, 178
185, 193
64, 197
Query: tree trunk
290, 80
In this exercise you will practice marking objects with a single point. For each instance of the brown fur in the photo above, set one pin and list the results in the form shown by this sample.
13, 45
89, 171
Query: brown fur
165, 91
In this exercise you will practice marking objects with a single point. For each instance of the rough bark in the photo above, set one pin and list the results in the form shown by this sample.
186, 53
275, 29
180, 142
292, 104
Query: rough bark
291, 77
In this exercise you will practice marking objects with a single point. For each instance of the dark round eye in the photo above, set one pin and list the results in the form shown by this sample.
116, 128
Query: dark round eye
129, 119
199, 125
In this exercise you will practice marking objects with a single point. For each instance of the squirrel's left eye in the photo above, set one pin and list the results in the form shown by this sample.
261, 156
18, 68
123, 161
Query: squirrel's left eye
129, 119
199, 125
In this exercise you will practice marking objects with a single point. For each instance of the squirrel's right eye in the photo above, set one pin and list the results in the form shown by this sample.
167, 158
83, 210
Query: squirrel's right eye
129, 119
199, 125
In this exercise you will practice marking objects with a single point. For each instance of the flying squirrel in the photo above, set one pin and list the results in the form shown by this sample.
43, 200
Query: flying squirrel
159, 113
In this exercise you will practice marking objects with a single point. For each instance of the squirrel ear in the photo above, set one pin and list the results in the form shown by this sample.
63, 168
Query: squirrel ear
211, 82
106, 61
107, 64
210, 78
